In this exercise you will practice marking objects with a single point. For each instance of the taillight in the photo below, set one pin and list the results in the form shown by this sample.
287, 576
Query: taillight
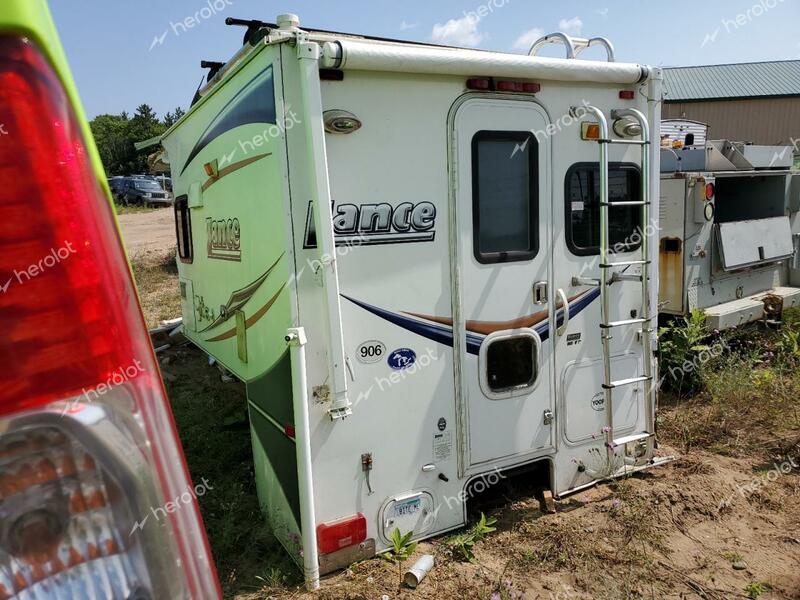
336, 535
711, 191
95, 498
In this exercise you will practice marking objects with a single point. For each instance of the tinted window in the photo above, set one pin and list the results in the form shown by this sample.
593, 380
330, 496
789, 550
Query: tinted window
183, 229
582, 196
505, 196
510, 363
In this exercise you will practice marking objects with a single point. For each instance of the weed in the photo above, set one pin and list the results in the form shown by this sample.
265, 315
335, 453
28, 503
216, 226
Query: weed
680, 343
462, 545
557, 546
755, 589
732, 557
401, 551
273, 578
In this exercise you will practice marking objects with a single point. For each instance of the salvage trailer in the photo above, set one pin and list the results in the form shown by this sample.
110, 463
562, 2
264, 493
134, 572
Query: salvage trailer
730, 229
429, 265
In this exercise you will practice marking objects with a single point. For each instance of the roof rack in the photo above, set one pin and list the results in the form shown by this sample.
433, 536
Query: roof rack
574, 45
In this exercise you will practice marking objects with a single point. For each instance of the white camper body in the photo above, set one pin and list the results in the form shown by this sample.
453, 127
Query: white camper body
730, 230
392, 289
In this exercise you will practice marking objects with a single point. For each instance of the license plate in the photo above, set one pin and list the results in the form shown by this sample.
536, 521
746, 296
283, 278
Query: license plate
407, 507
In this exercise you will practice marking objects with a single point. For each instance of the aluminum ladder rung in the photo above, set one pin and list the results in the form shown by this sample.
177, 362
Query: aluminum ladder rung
625, 263
626, 203
624, 382
613, 324
628, 439
623, 277
627, 142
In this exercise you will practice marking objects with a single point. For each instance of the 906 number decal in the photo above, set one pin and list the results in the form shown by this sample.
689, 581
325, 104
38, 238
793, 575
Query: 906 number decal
370, 352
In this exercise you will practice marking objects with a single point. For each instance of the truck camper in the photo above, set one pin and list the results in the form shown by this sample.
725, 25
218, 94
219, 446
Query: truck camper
730, 228
430, 266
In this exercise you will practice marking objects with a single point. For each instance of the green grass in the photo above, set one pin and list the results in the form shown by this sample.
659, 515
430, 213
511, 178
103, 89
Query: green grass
743, 398
156, 278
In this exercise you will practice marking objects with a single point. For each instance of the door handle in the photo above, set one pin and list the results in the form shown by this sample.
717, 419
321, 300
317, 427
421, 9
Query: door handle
565, 304
540, 292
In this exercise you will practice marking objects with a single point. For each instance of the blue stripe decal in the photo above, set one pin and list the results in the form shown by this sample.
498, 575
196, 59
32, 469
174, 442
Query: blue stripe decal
444, 334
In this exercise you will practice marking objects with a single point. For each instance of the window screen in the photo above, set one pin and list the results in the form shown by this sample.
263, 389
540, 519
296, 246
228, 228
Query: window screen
511, 363
582, 197
183, 229
505, 196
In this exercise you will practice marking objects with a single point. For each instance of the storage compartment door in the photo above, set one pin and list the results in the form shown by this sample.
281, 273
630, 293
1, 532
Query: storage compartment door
751, 243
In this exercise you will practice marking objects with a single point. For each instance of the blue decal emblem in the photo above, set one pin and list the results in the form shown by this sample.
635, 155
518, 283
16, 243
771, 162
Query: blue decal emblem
402, 358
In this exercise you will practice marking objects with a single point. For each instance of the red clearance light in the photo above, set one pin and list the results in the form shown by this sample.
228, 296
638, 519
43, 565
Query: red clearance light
531, 88
711, 191
335, 535
477, 83
509, 86
627, 95
83, 413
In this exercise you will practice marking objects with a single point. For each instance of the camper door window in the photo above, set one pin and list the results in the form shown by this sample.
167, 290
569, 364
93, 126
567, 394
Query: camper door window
582, 195
505, 196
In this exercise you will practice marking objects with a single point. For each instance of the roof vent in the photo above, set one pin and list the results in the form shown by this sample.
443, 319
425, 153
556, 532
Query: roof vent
288, 21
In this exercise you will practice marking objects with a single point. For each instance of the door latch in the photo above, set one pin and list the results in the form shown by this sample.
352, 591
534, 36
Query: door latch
540, 292
549, 417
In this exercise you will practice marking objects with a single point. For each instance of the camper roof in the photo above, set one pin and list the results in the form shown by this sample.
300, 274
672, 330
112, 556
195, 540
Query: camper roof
362, 52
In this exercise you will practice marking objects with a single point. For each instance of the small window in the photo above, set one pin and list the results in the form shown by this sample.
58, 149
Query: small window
582, 197
509, 363
505, 196
183, 229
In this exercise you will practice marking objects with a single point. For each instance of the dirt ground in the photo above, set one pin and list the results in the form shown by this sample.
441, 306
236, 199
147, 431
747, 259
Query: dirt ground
150, 231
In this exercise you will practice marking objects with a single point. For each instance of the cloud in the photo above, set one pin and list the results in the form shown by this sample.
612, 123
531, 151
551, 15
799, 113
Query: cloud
603, 12
458, 32
526, 40
573, 25
404, 26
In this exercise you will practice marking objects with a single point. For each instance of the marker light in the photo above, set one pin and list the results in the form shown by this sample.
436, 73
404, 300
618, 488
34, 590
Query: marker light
88, 449
590, 131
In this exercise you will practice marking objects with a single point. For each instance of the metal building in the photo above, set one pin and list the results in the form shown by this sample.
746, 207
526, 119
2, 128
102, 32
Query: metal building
750, 102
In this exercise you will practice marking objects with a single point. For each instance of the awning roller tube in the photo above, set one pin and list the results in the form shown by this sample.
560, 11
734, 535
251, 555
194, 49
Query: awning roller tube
399, 58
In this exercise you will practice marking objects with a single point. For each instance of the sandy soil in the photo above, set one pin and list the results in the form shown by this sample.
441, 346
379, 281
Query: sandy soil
681, 531
148, 232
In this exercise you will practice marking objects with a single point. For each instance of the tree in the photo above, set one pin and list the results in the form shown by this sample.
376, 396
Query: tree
171, 118
116, 135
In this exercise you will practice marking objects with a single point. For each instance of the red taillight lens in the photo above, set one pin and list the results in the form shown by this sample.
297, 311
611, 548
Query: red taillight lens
627, 95
340, 534
478, 84
711, 191
88, 449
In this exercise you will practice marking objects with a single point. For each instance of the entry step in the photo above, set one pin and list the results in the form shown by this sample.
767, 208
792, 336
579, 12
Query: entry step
624, 382
629, 439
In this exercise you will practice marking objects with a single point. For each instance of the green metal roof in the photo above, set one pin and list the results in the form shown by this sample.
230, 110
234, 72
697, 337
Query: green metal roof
743, 80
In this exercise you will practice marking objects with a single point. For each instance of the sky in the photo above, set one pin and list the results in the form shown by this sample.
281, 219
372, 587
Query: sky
127, 52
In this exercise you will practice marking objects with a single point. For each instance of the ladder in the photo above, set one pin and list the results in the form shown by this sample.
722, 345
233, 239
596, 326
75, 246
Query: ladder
645, 320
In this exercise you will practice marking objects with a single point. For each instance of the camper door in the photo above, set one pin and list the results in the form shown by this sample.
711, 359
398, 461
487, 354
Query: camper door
502, 233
